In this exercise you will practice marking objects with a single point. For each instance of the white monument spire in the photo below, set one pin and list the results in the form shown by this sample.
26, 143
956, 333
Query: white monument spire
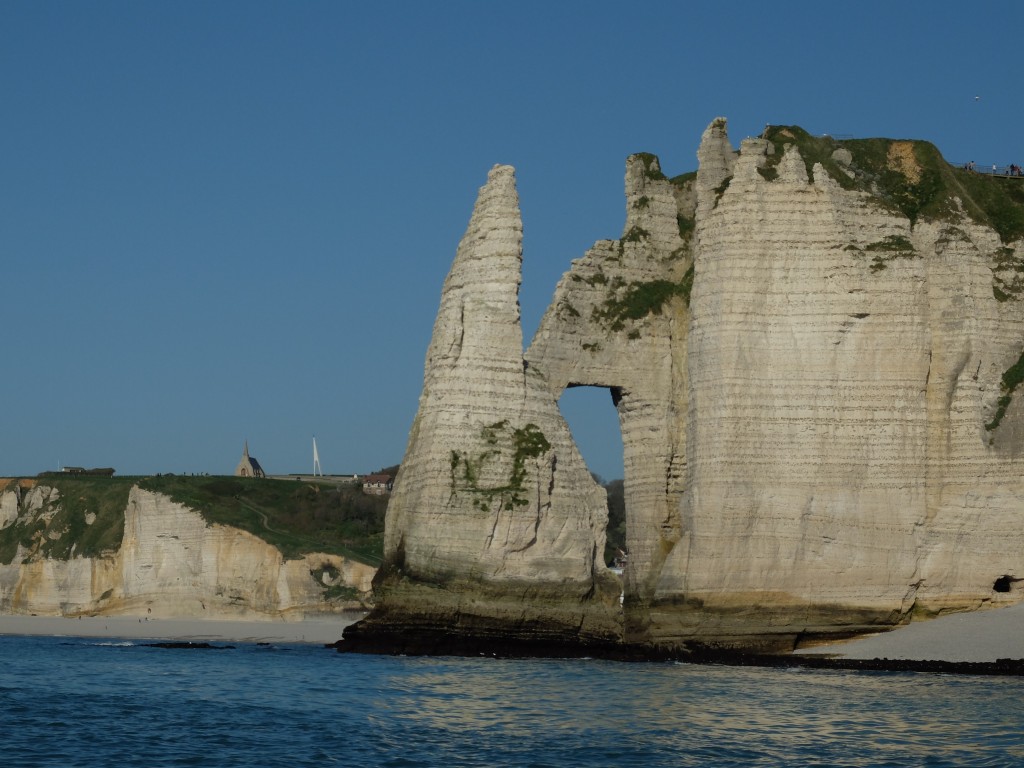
316, 460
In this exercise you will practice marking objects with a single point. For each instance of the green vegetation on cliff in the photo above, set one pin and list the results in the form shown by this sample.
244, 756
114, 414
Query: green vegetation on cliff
892, 247
520, 443
684, 179
294, 517
652, 167
640, 299
61, 529
1008, 274
909, 176
1013, 377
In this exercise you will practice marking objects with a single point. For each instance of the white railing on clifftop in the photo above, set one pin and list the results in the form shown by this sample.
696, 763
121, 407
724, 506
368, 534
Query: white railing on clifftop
1011, 171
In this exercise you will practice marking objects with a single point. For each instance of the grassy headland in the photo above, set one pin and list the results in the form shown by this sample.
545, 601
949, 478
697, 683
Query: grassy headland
296, 517
909, 176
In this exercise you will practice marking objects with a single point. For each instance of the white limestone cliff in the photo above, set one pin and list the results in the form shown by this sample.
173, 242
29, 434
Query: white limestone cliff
840, 472
619, 320
494, 519
814, 374
170, 563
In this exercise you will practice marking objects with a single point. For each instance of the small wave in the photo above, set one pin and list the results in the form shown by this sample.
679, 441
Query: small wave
114, 644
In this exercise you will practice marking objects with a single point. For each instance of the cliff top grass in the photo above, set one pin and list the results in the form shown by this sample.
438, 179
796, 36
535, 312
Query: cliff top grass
909, 176
295, 517
60, 530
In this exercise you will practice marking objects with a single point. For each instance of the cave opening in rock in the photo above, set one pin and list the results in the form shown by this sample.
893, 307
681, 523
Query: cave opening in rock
594, 422
1004, 583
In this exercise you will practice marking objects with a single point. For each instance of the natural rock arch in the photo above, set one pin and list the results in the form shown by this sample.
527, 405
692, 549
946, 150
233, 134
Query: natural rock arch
817, 376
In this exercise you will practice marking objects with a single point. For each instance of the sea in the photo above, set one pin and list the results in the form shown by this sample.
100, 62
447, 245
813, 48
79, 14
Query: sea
89, 702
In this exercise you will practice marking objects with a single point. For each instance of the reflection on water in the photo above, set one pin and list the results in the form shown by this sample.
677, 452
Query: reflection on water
72, 702
679, 714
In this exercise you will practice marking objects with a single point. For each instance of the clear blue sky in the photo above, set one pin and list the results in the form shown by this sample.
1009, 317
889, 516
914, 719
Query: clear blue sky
223, 221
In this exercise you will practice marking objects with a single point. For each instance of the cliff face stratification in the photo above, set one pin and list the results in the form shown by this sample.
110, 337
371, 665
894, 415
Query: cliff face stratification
495, 527
814, 349
844, 362
169, 562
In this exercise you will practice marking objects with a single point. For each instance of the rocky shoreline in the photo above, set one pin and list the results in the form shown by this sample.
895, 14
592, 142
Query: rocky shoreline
986, 642
514, 648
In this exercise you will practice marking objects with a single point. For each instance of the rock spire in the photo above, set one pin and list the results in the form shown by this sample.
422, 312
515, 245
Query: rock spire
493, 502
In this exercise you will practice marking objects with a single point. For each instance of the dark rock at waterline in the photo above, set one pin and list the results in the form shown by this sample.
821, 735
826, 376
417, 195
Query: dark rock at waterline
450, 644
189, 646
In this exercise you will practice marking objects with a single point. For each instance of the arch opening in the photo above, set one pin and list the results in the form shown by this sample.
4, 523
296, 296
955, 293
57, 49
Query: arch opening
595, 430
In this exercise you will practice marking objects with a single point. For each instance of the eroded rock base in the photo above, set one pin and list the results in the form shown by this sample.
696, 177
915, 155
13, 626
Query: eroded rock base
461, 618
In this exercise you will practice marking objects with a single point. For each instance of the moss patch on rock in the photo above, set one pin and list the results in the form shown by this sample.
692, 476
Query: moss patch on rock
684, 179
502, 441
652, 166
639, 299
1011, 380
1008, 274
892, 247
635, 235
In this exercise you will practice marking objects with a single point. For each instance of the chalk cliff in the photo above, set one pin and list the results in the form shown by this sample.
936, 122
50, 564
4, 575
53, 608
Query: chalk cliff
814, 348
169, 562
846, 352
495, 526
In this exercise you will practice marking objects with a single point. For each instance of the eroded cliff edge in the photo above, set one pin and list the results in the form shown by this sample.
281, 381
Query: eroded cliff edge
814, 349
161, 559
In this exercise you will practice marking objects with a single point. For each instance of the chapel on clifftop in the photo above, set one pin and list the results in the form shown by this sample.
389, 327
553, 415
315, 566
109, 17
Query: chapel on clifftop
248, 466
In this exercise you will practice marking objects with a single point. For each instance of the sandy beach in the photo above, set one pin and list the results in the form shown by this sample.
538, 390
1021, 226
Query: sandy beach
977, 636
321, 630
980, 636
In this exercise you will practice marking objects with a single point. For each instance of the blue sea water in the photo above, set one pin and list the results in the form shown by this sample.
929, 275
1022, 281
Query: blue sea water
88, 702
